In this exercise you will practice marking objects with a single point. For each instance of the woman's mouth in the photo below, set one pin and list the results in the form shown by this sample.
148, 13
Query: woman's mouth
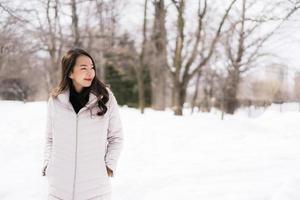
88, 79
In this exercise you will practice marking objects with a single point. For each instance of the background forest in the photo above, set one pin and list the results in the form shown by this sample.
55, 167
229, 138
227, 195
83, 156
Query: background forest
157, 53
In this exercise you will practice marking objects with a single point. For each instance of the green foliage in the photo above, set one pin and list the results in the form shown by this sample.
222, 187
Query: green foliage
124, 88
121, 74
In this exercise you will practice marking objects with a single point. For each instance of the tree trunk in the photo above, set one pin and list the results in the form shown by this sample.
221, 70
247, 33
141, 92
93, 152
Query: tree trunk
179, 97
196, 91
159, 55
140, 68
75, 28
231, 101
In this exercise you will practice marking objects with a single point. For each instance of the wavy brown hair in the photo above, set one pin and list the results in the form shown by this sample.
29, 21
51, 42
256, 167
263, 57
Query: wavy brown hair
97, 87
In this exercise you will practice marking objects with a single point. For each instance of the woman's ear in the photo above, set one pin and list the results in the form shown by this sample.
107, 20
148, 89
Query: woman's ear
70, 75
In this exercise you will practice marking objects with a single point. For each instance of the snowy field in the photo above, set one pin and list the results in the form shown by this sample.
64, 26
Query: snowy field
253, 155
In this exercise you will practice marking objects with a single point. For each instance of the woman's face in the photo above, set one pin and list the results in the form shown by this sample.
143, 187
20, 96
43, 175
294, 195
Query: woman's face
83, 73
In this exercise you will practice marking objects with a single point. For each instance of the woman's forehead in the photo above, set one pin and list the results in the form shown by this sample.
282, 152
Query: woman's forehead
84, 60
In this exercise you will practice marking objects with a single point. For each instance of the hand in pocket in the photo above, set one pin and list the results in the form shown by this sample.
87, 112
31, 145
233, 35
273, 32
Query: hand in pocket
109, 172
44, 171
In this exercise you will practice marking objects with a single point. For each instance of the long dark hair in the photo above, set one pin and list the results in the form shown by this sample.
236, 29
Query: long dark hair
97, 87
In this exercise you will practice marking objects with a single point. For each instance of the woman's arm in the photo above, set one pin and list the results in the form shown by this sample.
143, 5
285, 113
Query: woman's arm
48, 138
114, 136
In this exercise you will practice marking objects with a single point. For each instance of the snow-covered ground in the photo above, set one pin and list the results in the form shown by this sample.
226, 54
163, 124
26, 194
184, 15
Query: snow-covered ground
252, 155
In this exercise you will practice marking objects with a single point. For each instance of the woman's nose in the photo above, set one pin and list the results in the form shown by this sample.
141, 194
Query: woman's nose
90, 72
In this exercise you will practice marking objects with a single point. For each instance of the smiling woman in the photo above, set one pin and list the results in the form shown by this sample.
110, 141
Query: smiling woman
83, 72
84, 134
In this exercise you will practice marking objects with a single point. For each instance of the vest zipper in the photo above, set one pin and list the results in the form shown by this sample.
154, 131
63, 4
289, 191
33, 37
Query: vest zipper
75, 157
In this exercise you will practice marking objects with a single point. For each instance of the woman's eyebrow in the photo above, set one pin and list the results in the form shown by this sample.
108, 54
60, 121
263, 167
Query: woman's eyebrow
84, 65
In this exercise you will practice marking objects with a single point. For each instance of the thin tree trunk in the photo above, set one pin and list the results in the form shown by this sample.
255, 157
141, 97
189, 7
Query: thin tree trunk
159, 63
140, 68
196, 91
181, 81
75, 28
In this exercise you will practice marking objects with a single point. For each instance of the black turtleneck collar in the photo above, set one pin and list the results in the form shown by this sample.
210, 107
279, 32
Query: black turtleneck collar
78, 100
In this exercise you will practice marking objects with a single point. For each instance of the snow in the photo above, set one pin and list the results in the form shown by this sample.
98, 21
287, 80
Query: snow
252, 155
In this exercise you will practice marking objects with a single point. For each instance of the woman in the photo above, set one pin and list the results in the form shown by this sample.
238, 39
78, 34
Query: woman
84, 134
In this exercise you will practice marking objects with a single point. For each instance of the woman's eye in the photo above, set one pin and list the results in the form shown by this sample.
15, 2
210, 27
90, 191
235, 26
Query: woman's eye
86, 68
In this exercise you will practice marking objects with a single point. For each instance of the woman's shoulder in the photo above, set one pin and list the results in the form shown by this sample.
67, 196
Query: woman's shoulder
50, 99
108, 88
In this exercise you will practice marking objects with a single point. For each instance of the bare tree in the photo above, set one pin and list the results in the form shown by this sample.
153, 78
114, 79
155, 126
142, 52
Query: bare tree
10, 23
243, 46
75, 27
43, 27
297, 88
140, 68
51, 36
182, 72
157, 61
13, 13
104, 39
209, 85
16, 57
195, 96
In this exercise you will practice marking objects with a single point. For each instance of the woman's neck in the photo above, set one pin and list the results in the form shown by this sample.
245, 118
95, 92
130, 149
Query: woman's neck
78, 88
